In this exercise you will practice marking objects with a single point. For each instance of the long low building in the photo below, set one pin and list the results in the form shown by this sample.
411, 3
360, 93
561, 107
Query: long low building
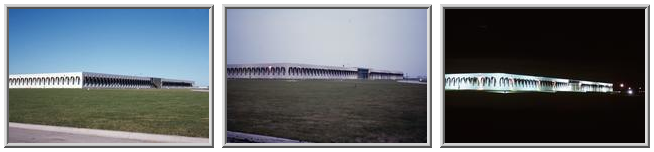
93, 80
502, 82
307, 71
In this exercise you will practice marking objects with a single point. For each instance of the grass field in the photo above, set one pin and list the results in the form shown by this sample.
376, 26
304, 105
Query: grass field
329, 110
561, 117
173, 112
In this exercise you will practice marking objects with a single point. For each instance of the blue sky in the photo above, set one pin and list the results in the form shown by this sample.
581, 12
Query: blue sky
167, 43
389, 39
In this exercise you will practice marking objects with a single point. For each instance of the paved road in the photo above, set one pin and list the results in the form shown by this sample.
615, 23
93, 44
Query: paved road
19, 135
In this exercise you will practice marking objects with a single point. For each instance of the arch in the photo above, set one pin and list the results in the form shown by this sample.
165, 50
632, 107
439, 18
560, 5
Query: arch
98, 81
501, 84
455, 81
111, 81
259, 71
283, 70
296, 71
103, 81
272, 71
255, 71
278, 71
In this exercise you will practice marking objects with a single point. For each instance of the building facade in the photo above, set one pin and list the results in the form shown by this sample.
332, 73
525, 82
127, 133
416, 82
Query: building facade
307, 71
502, 82
93, 80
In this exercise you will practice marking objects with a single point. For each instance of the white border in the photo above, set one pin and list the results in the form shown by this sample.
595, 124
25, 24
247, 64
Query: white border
645, 7
109, 6
335, 6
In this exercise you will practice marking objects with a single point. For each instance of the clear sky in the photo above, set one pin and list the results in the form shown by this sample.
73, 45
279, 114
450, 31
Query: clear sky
388, 39
166, 43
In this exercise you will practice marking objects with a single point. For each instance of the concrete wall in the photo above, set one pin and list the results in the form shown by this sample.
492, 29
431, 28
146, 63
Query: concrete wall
46, 80
514, 82
300, 71
90, 80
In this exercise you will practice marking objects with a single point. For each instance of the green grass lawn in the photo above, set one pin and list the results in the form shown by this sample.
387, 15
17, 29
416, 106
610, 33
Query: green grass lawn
173, 112
329, 110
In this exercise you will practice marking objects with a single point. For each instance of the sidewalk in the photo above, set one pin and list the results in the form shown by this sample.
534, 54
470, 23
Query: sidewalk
31, 133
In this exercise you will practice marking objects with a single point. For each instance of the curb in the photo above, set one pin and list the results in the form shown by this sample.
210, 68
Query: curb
258, 138
112, 134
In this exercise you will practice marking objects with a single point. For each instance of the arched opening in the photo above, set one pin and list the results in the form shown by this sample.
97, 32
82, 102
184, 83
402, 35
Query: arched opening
284, 71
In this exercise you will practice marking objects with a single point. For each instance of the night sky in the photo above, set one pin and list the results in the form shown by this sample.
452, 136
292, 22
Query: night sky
590, 44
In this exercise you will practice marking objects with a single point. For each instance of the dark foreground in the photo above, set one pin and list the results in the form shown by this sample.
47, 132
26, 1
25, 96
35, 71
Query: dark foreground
329, 110
482, 117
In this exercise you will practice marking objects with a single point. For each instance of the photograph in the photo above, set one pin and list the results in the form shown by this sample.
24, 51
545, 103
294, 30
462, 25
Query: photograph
545, 75
327, 75
102, 76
